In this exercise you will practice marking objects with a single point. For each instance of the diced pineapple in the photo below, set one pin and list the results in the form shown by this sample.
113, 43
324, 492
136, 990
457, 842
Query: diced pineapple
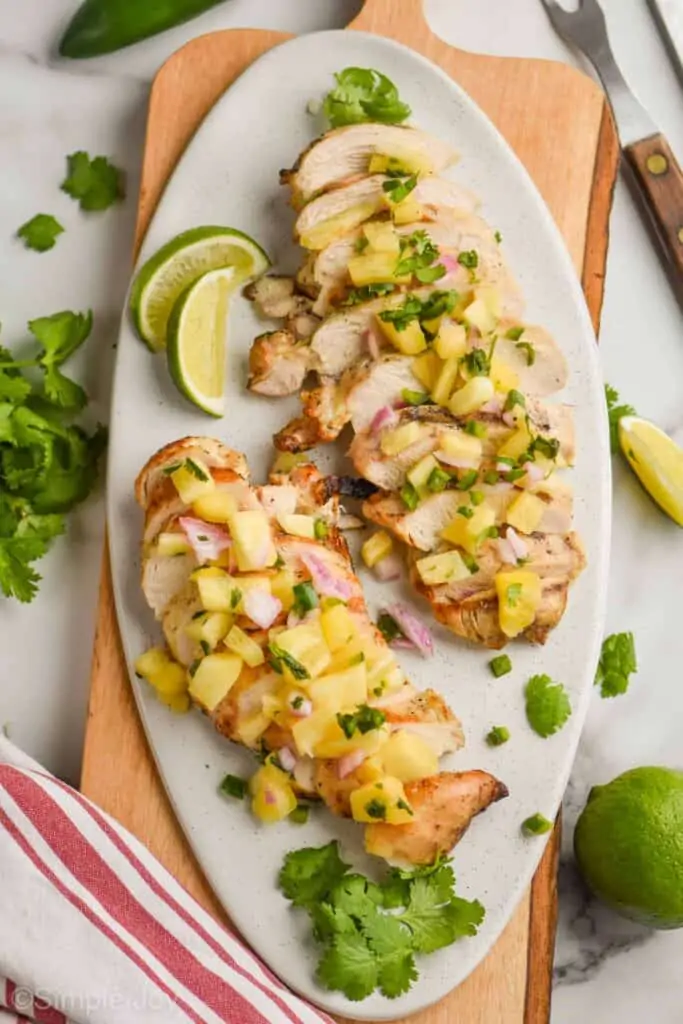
382, 800
467, 533
371, 770
479, 315
321, 235
419, 474
451, 340
375, 268
406, 161
517, 443
408, 211
503, 376
179, 703
308, 732
251, 728
171, 544
192, 480
385, 675
525, 512
285, 462
306, 645
407, 757
376, 547
490, 296
445, 382
161, 672
213, 679
338, 627
281, 586
443, 568
393, 442
382, 237
217, 507
409, 341
251, 582
461, 446
334, 743
426, 368
252, 540
471, 396
341, 690
272, 795
216, 590
209, 628
519, 597
241, 643
297, 525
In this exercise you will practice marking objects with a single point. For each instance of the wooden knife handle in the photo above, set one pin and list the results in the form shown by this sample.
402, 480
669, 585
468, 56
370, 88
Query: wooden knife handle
661, 183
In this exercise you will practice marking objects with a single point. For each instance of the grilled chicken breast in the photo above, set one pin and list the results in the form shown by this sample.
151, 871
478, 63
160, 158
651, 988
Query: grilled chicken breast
343, 155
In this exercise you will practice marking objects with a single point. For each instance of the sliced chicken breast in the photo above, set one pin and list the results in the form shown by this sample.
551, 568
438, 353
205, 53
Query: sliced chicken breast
278, 364
163, 577
344, 154
444, 806
153, 477
426, 714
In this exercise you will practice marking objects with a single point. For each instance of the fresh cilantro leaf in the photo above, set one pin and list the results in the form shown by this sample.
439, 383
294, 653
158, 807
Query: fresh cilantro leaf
282, 657
329, 921
356, 896
513, 594
547, 705
409, 496
439, 303
435, 924
427, 275
307, 875
367, 292
60, 335
364, 719
41, 232
514, 333
615, 412
617, 662
529, 351
17, 577
363, 94
469, 259
397, 973
349, 965
13, 387
96, 184
400, 316
398, 188
477, 362
63, 391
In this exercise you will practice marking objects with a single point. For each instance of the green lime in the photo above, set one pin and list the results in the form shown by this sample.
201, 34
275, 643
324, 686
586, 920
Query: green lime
629, 845
196, 339
168, 273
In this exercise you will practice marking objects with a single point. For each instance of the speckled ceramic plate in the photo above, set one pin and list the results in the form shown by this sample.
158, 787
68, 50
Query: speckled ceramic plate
229, 175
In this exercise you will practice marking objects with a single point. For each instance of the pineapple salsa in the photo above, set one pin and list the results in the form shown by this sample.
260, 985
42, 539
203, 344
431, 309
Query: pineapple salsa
325, 660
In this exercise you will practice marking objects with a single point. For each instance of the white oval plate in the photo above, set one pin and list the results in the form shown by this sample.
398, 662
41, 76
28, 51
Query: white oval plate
229, 175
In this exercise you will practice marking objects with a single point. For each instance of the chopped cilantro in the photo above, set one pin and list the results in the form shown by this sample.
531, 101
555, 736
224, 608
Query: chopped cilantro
282, 657
491, 477
363, 719
477, 362
470, 562
233, 785
415, 397
409, 496
467, 480
367, 292
40, 233
529, 351
438, 480
615, 412
514, 333
401, 316
361, 244
498, 237
469, 259
296, 702
465, 511
235, 597
192, 467
205, 646
475, 428
95, 184
427, 275
305, 598
363, 94
617, 662
547, 705
320, 529
497, 736
399, 187
389, 627
513, 594
514, 398
536, 825
376, 809
500, 665
476, 497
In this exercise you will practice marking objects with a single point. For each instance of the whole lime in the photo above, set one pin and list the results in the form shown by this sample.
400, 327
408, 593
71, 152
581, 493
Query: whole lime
629, 845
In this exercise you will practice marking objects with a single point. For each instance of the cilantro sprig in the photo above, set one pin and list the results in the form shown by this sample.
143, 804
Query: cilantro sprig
40, 233
371, 932
617, 663
363, 94
95, 184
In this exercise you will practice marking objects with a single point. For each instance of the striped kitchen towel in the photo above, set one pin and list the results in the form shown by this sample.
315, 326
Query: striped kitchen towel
94, 929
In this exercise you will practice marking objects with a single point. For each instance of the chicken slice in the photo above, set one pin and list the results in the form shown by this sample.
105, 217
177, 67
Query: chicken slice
344, 154
278, 364
273, 295
422, 527
368, 195
444, 806
177, 616
153, 479
389, 472
167, 505
163, 577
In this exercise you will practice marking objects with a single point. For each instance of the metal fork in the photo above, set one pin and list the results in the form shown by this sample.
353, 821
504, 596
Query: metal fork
656, 173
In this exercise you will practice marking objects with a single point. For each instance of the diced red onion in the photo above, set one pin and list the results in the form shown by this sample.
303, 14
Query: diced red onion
517, 543
349, 763
448, 262
388, 568
286, 759
506, 551
494, 405
384, 417
373, 341
324, 581
503, 467
269, 796
261, 607
304, 709
402, 642
206, 539
509, 418
412, 627
456, 461
534, 472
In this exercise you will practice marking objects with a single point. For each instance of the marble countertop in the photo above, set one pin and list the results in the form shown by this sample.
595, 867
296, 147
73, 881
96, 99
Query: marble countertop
607, 970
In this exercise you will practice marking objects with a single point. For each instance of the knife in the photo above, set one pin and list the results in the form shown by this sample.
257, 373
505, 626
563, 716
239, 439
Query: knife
656, 173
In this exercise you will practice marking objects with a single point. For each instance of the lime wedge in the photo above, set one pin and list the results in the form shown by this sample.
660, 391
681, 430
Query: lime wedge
657, 461
196, 339
179, 263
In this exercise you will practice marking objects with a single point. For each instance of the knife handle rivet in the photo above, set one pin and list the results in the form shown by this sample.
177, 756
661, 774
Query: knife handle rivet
657, 164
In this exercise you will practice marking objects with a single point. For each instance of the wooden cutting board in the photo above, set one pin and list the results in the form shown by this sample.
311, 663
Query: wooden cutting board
556, 120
